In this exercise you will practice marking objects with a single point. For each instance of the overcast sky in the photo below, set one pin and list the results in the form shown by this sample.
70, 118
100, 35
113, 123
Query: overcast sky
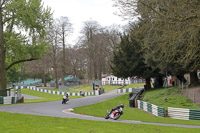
79, 11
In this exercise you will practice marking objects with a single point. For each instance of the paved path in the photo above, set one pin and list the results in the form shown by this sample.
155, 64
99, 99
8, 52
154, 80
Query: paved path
56, 109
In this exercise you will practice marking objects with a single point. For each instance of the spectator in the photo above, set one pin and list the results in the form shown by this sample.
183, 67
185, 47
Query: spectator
99, 90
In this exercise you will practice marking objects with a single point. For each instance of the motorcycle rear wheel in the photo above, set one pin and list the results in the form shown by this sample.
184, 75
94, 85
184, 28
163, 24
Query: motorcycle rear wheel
116, 116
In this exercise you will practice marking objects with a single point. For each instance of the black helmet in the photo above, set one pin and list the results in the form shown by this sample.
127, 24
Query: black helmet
122, 105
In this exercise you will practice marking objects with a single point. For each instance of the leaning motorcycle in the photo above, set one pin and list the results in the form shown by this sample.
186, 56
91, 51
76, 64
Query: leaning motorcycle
115, 114
64, 101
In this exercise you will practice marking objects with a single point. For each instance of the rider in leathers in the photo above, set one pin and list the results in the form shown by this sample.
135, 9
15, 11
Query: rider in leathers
116, 108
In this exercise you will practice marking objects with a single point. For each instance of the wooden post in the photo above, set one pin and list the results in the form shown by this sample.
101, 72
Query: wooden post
178, 84
194, 96
187, 90
175, 82
165, 113
182, 87
136, 98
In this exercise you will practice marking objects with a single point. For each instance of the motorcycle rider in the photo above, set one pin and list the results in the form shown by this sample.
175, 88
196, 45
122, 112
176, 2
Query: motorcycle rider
65, 98
117, 107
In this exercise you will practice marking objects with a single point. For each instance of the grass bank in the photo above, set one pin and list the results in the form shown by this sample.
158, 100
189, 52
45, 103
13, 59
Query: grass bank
134, 85
99, 109
168, 97
44, 97
20, 123
87, 88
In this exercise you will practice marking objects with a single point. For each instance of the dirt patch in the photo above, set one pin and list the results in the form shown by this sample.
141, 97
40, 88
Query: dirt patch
192, 93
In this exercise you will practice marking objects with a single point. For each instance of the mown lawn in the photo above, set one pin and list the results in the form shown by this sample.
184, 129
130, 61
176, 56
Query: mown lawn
44, 97
21, 123
168, 97
88, 88
99, 109
134, 85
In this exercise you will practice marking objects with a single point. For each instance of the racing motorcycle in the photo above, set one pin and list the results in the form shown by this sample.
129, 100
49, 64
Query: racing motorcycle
64, 101
114, 114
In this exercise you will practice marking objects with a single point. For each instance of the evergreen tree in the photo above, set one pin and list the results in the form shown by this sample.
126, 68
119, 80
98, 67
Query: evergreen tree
128, 60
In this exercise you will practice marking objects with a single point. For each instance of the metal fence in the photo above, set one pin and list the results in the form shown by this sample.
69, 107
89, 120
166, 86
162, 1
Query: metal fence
151, 108
115, 83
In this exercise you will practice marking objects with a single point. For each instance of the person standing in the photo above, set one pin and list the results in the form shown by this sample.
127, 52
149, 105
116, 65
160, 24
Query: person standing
99, 90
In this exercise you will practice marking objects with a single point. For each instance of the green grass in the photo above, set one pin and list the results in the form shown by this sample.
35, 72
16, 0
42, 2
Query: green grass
99, 109
84, 88
87, 88
168, 97
20, 123
134, 85
45, 97
109, 88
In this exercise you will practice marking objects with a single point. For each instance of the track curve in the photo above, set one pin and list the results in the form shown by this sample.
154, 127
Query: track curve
56, 109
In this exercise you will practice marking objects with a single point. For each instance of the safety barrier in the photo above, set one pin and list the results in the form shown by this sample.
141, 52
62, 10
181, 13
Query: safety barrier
184, 114
125, 90
151, 108
135, 95
11, 100
59, 92
129, 90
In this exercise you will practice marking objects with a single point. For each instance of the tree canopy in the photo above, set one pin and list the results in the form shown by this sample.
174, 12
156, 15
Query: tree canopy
22, 31
168, 32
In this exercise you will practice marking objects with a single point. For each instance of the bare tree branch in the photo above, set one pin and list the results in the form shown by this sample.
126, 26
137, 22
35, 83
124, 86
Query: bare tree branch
20, 61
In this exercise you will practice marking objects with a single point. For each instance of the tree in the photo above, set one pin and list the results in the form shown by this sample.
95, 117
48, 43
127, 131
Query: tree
77, 61
171, 34
99, 44
65, 28
129, 61
175, 33
39, 68
15, 46
53, 39
90, 30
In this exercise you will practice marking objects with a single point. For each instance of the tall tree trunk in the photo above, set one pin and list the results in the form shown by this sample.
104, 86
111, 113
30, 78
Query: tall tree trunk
100, 71
193, 78
90, 69
2, 59
75, 70
44, 79
64, 64
56, 75
104, 67
148, 83
159, 82
95, 70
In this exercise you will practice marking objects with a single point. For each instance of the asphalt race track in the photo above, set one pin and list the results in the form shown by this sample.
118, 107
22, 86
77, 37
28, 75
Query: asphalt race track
56, 109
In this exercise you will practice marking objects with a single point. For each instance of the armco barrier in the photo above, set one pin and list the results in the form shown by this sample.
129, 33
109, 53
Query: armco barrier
151, 108
58, 92
134, 95
11, 100
125, 90
185, 114
129, 90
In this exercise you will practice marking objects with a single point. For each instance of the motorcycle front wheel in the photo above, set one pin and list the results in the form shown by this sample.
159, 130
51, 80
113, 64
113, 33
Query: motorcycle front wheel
107, 116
